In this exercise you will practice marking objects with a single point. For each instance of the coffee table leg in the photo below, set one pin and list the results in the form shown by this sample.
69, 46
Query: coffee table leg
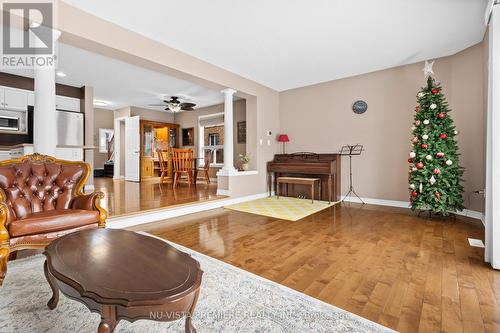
108, 319
53, 285
189, 325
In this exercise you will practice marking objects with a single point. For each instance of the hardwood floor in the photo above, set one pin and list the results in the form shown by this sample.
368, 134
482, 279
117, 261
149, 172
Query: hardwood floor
122, 197
408, 273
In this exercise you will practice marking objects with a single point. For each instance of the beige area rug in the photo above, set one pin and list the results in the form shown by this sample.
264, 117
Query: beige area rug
231, 300
284, 208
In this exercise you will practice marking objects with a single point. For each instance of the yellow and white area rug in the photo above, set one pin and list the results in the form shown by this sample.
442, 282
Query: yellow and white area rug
284, 208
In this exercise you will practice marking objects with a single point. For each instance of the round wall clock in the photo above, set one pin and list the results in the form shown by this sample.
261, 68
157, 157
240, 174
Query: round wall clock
359, 107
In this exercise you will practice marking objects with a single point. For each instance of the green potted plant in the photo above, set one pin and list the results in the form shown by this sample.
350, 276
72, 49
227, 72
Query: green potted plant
245, 160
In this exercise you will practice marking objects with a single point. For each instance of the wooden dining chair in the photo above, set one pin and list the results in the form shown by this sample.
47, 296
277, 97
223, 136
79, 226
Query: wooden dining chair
204, 170
163, 164
183, 163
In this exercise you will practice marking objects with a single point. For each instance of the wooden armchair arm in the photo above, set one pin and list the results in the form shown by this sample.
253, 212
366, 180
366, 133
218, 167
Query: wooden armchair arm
4, 241
91, 201
4, 233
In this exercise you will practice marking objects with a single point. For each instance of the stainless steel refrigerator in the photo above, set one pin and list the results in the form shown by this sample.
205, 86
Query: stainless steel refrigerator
70, 126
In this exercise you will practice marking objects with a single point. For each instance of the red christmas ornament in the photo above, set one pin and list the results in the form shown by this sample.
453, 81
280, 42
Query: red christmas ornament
410, 160
438, 195
440, 155
419, 165
414, 194
424, 146
437, 171
417, 108
443, 136
442, 115
434, 91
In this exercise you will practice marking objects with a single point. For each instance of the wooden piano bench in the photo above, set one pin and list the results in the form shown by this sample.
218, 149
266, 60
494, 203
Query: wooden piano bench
298, 181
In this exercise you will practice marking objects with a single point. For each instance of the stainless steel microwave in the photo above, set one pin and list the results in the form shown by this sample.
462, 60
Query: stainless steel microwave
13, 122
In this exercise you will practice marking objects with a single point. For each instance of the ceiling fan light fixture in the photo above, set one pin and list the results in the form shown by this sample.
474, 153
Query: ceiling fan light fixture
174, 107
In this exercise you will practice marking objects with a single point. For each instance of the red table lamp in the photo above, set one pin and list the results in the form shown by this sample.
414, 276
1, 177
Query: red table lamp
283, 138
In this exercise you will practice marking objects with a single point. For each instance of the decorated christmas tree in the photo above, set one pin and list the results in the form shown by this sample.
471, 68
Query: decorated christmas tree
435, 173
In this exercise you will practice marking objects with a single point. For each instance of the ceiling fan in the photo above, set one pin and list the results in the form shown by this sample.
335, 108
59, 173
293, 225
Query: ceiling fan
175, 105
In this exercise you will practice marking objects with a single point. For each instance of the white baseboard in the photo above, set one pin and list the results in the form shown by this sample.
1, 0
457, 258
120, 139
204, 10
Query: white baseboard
158, 215
405, 204
120, 222
380, 202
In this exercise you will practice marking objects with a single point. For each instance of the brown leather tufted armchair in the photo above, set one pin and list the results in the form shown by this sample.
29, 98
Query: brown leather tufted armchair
41, 199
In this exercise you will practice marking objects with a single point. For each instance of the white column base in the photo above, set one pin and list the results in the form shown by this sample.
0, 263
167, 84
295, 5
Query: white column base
227, 172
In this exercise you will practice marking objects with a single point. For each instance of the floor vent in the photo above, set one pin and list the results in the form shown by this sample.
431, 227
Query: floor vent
476, 242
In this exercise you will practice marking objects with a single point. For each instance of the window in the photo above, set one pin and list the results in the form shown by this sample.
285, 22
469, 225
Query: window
213, 139
105, 137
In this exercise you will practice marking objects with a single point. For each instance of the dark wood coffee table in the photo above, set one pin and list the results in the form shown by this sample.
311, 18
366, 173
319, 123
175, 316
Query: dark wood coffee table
123, 275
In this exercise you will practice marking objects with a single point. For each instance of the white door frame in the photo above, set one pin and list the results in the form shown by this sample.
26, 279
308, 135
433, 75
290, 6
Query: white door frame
117, 166
132, 149
492, 216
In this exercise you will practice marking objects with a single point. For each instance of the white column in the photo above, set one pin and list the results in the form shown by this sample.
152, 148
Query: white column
492, 213
44, 114
228, 131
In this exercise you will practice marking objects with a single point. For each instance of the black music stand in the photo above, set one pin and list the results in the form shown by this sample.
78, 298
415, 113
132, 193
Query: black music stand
351, 150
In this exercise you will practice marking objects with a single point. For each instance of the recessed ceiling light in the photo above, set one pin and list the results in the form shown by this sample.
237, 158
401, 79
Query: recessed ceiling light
60, 74
100, 103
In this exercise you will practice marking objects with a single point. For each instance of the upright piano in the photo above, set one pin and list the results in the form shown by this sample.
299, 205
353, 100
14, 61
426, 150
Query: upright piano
304, 164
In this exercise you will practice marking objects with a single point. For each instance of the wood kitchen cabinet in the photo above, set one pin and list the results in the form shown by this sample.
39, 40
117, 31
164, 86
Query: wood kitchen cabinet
157, 135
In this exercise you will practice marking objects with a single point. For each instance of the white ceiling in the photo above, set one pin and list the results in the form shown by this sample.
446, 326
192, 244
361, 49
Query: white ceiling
285, 44
122, 84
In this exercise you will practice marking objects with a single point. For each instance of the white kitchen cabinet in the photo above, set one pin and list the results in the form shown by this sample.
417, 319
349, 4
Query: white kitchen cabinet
21, 150
63, 153
15, 99
19, 99
4, 155
67, 103
31, 98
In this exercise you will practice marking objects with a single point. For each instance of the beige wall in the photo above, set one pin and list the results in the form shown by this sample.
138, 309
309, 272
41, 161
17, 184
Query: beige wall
190, 119
319, 118
122, 112
102, 119
152, 115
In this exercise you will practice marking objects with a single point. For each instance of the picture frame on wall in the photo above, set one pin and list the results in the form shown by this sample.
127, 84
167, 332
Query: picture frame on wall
242, 131
188, 136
